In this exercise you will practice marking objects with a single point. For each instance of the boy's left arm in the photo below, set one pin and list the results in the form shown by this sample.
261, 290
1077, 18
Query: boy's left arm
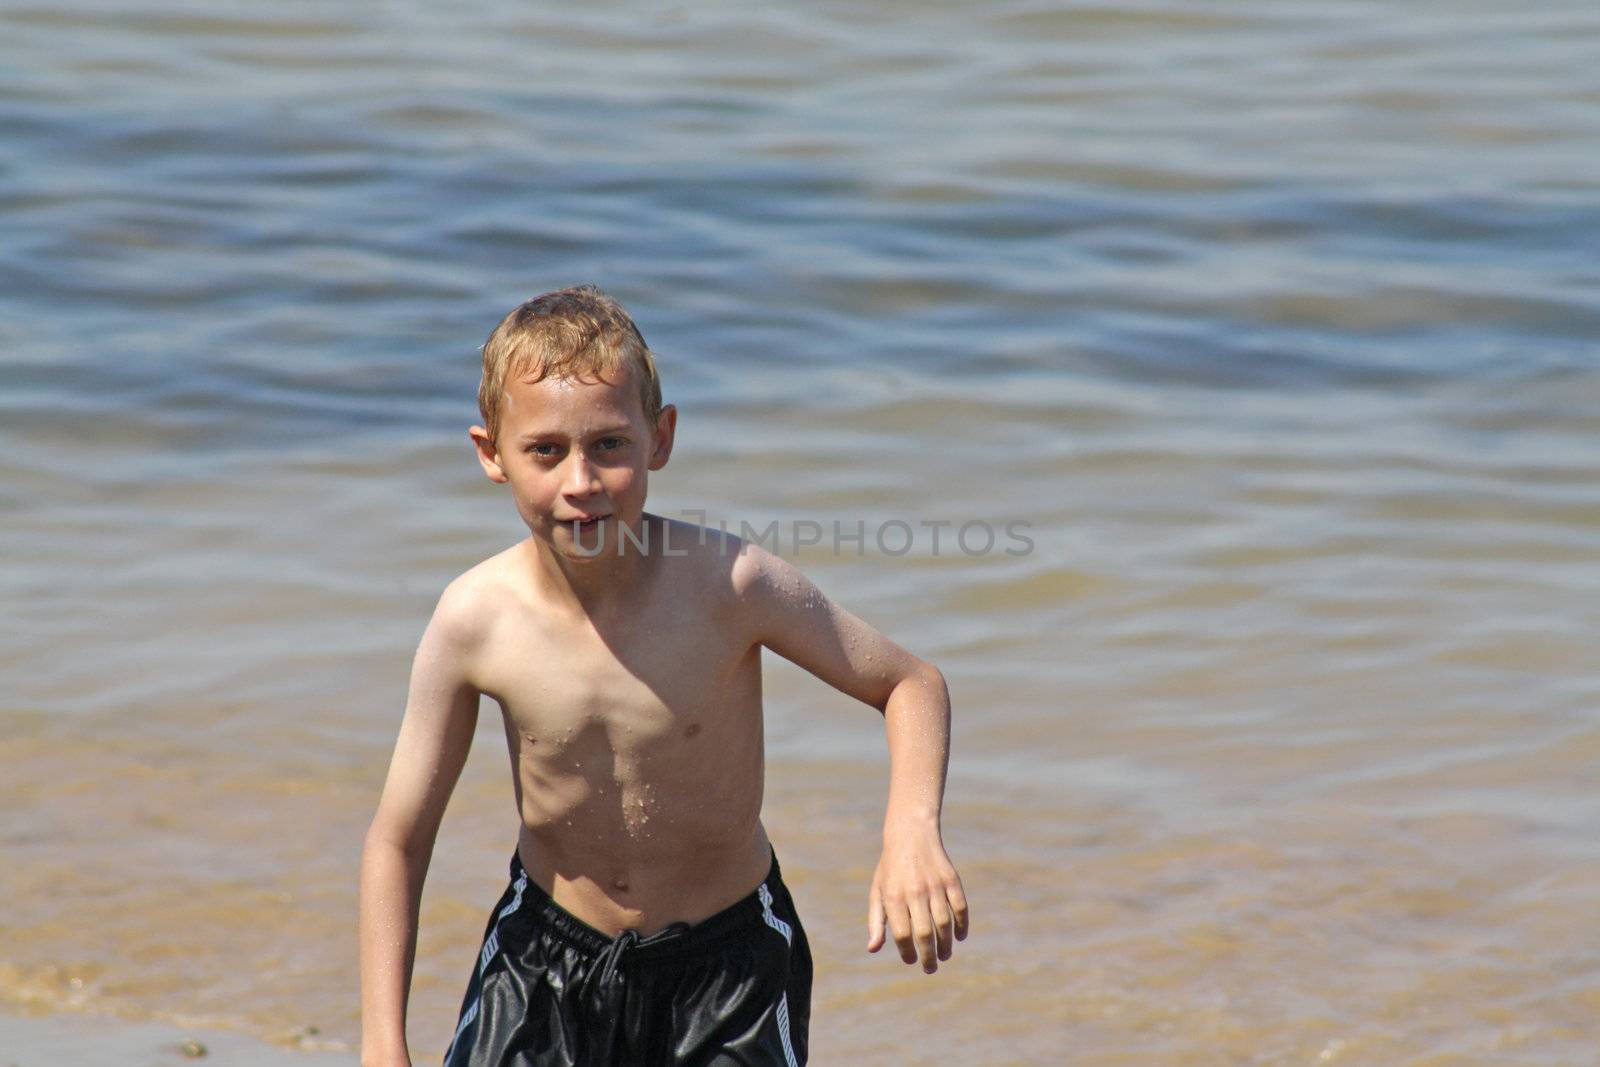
915, 891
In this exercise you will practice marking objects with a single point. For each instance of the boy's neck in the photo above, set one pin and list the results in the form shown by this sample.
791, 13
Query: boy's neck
592, 584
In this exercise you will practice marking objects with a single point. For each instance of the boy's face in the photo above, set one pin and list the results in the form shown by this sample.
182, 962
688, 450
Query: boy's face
576, 450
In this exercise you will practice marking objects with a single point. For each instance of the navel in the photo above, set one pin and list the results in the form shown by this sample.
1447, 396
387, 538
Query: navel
692, 729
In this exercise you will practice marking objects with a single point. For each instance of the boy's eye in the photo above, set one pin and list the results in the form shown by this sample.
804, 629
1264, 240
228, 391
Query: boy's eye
609, 443
544, 451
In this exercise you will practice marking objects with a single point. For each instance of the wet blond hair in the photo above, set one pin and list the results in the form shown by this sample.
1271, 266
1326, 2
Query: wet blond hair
578, 333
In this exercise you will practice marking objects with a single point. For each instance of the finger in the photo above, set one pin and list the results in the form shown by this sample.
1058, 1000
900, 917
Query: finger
874, 920
958, 904
900, 930
922, 934
943, 927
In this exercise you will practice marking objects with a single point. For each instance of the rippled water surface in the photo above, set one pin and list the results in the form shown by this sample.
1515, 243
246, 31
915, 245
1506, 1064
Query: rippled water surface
1277, 322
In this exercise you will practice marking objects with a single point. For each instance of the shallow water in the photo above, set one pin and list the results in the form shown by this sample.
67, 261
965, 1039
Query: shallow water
1277, 322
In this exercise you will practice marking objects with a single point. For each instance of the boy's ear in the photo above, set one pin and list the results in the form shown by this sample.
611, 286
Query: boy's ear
488, 454
661, 440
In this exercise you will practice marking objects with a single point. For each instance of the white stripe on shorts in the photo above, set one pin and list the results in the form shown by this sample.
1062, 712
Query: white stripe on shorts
783, 1002
491, 945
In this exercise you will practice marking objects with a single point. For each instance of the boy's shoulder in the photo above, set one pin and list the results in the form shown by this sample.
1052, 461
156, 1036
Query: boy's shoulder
721, 561
469, 604
751, 582
720, 570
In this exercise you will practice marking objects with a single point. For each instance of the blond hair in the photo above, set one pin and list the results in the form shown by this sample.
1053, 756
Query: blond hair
577, 333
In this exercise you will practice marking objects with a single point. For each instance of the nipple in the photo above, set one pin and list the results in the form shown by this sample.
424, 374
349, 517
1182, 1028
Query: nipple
620, 884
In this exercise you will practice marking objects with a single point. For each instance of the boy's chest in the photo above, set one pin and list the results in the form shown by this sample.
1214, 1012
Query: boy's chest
648, 676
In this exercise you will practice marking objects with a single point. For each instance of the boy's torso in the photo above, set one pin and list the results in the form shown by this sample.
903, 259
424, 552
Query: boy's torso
635, 738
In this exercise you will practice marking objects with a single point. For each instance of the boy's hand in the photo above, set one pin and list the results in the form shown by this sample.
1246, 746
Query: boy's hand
917, 891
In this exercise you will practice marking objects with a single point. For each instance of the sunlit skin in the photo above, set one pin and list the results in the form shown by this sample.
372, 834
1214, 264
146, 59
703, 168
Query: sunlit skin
630, 687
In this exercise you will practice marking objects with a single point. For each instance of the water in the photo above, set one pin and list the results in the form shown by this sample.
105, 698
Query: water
1276, 321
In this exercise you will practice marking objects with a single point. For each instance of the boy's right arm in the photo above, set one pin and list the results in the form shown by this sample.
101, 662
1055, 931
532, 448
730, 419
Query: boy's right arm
435, 735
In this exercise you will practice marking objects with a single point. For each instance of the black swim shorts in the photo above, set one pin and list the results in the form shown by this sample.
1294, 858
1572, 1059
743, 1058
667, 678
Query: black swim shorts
550, 989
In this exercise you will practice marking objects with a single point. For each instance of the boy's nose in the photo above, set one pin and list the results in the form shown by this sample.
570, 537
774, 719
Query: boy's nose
580, 480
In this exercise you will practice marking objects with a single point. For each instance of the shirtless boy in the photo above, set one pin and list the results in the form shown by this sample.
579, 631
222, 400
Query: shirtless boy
646, 921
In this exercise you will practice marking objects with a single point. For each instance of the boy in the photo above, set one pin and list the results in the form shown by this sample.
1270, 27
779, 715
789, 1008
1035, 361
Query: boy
646, 921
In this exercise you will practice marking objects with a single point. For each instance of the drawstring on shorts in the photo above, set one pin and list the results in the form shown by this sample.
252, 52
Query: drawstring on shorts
610, 958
